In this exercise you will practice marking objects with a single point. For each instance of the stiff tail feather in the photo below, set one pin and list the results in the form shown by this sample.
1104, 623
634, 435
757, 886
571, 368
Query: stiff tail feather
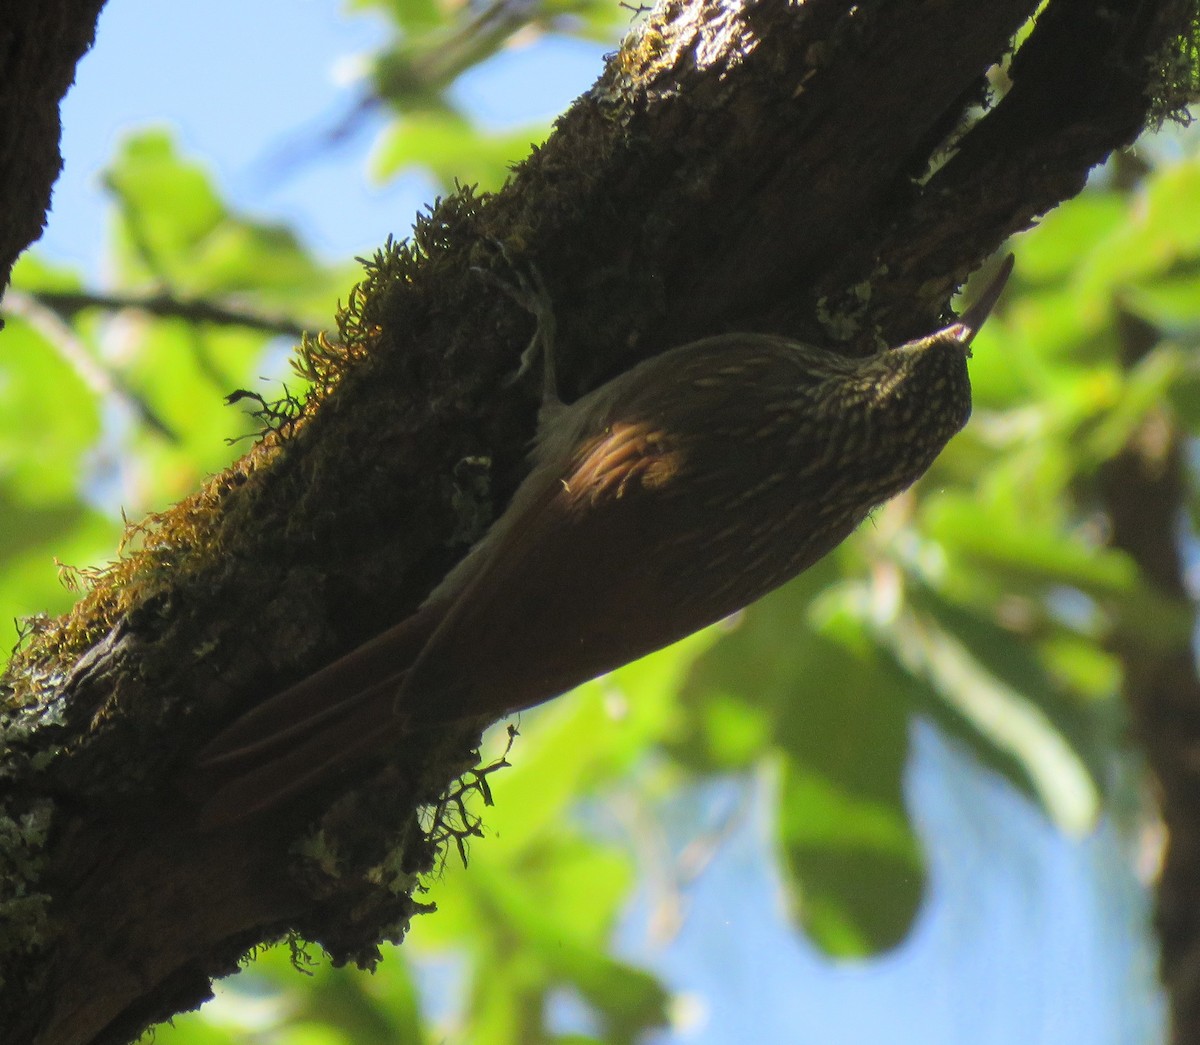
235, 786
323, 726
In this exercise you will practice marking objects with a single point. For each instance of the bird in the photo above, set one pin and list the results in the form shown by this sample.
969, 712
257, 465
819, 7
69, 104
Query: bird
666, 499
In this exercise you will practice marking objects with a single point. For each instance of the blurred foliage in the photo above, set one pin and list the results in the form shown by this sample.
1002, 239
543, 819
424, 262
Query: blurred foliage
984, 599
432, 46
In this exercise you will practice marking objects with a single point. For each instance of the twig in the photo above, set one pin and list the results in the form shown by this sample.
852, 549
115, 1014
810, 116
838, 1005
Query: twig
69, 303
102, 381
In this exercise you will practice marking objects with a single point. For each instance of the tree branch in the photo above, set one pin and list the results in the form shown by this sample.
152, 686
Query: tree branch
69, 303
101, 380
1144, 490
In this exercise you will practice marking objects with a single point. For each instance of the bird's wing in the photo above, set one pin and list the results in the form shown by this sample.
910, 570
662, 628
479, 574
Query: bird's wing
569, 586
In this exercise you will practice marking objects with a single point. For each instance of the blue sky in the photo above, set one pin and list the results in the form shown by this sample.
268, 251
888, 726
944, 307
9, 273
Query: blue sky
1028, 936
204, 70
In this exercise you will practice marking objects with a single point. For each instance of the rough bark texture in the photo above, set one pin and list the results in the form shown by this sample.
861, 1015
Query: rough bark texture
790, 167
40, 44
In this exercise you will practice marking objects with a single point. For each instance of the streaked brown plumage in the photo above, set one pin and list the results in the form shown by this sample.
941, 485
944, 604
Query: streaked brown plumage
664, 500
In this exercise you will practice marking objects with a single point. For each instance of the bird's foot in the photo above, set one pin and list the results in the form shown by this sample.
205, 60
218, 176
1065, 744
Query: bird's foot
527, 289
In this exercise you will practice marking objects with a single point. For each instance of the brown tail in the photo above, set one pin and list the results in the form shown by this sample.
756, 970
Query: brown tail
320, 728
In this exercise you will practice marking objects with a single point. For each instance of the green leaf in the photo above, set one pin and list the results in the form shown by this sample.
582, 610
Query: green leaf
177, 233
996, 541
48, 418
1184, 397
412, 15
34, 272
167, 206
736, 690
30, 583
855, 868
1051, 251
581, 742
1038, 559
1000, 692
1162, 229
241, 257
855, 873
1145, 386
561, 912
452, 149
1168, 300
539, 902
807, 679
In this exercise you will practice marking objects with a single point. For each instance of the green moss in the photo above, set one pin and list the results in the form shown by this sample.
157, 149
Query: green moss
1178, 74
186, 543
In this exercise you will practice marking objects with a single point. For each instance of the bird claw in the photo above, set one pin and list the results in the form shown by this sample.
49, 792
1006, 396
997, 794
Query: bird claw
528, 289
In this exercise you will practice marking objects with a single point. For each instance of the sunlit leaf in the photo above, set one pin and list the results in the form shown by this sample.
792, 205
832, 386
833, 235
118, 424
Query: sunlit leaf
33, 272
996, 541
177, 234
1041, 560
839, 718
42, 393
543, 918
855, 871
167, 205
1146, 385
452, 149
1168, 300
1051, 251
946, 651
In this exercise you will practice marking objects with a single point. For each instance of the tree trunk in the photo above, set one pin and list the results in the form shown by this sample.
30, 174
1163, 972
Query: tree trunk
1144, 491
805, 168
40, 45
